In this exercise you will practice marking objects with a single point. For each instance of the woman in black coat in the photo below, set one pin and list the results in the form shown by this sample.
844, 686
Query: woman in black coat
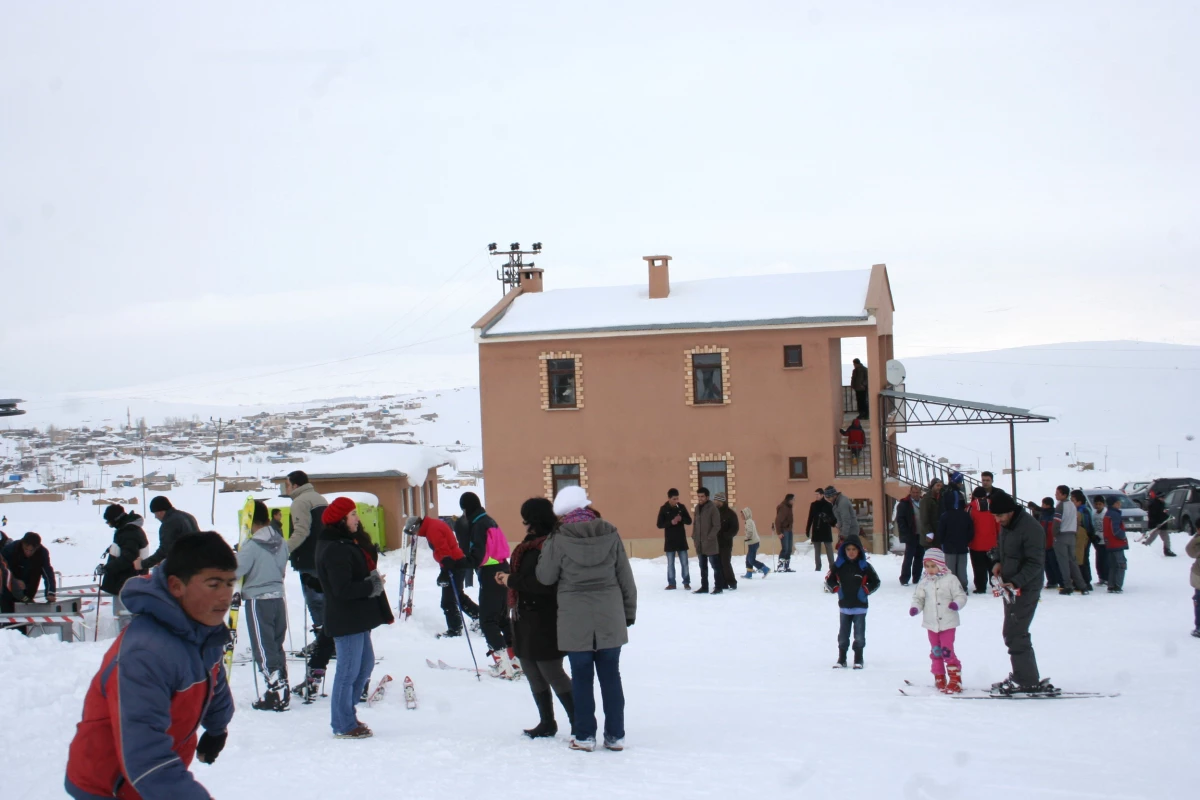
534, 610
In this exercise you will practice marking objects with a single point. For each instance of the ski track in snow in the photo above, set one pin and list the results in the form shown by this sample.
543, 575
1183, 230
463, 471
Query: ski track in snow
724, 694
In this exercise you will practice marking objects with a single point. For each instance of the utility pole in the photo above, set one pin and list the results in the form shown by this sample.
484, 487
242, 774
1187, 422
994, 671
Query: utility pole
216, 458
1106, 458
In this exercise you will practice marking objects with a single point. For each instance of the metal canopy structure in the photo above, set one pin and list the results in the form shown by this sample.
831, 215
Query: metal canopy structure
8, 408
901, 409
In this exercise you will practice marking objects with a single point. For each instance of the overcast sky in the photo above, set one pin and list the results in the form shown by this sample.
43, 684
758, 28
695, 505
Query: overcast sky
272, 184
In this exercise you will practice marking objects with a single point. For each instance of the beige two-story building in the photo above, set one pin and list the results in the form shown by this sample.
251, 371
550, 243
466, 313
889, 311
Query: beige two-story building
735, 384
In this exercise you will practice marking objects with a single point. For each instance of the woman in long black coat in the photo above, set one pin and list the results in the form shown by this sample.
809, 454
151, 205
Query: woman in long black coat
534, 610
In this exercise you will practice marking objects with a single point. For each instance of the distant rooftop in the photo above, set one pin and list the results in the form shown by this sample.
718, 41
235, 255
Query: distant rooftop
786, 299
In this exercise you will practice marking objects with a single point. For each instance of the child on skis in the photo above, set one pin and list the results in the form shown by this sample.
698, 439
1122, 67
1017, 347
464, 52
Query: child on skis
852, 578
940, 596
752, 544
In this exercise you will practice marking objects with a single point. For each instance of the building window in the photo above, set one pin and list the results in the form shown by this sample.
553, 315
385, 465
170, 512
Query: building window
561, 381
707, 370
793, 356
798, 468
561, 374
559, 472
715, 472
714, 476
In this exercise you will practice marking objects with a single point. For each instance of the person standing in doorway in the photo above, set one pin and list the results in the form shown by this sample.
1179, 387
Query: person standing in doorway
673, 519
784, 521
1066, 524
704, 536
819, 528
1020, 561
907, 515
730, 525
987, 532
858, 382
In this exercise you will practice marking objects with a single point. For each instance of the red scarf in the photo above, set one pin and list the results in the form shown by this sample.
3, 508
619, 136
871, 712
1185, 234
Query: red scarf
515, 559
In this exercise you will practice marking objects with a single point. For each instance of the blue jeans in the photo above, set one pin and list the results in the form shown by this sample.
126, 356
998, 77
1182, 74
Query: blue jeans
683, 565
785, 545
859, 623
607, 665
752, 562
355, 660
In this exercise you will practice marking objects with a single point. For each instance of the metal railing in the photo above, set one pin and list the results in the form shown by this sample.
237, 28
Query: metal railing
851, 465
849, 401
911, 467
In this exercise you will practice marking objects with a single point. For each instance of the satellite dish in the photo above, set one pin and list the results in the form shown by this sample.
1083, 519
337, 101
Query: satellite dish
895, 372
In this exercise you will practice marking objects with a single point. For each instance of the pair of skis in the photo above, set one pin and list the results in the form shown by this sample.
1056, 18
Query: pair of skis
410, 692
911, 689
439, 664
408, 573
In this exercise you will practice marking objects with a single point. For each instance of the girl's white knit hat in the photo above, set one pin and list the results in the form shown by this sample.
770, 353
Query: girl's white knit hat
572, 498
933, 554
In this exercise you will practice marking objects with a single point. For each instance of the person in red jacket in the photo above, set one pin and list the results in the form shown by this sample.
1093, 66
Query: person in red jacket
159, 682
449, 555
987, 534
856, 439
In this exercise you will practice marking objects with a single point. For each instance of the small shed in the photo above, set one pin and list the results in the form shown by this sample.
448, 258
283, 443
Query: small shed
402, 478
367, 505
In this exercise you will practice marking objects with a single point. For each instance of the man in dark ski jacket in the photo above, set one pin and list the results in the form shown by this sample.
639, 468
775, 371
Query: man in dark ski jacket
304, 519
174, 523
673, 519
160, 681
123, 553
28, 563
730, 525
1157, 518
909, 529
1020, 560
473, 526
819, 528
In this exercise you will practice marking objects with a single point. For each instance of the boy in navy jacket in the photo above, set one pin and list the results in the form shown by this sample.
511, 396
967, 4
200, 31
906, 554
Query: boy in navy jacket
852, 578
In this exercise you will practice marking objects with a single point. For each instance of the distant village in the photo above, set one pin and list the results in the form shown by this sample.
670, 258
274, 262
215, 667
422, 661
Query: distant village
57, 462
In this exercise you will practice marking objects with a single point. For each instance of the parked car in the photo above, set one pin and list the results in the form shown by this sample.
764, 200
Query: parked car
1183, 507
1135, 490
1134, 517
1160, 486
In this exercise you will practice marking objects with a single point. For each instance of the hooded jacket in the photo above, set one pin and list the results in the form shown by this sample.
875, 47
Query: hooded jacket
706, 529
262, 562
597, 596
175, 523
441, 539
751, 528
853, 580
30, 570
730, 525
955, 528
674, 536
472, 527
345, 577
1021, 552
987, 529
820, 521
130, 538
933, 596
159, 682
305, 518
930, 516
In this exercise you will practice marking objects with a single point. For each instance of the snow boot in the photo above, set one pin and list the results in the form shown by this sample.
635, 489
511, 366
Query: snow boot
749, 574
546, 727
765, 570
310, 688
267, 702
955, 684
516, 662
858, 658
1169, 554
450, 633
568, 704
841, 662
939, 682
586, 745
702, 590
502, 665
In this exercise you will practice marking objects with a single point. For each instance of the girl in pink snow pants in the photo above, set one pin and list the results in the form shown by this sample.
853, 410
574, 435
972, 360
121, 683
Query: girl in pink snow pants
939, 596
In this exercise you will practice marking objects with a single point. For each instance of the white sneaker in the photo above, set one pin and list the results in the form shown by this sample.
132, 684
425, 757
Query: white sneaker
587, 745
616, 745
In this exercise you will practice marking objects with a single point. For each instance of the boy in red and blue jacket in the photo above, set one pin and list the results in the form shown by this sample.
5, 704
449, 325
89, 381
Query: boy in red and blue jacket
161, 680
1116, 543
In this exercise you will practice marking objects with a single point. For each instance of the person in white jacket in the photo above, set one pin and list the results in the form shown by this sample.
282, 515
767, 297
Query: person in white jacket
752, 544
939, 596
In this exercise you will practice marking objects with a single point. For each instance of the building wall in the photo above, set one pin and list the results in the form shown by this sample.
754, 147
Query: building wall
637, 432
397, 497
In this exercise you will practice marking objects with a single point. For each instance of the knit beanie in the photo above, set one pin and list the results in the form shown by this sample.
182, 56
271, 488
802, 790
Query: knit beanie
338, 510
114, 513
160, 503
1002, 502
935, 555
572, 498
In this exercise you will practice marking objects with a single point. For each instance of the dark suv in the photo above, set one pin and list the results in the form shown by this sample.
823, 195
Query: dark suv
1160, 487
1183, 507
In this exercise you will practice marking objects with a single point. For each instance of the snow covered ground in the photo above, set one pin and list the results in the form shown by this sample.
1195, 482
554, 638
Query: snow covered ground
725, 695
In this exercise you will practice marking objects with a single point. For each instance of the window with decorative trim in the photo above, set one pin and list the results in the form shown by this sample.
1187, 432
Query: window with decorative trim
559, 472
561, 381
798, 468
715, 472
793, 356
706, 376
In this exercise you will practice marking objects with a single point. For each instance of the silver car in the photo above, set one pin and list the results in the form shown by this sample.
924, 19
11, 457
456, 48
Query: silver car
1133, 517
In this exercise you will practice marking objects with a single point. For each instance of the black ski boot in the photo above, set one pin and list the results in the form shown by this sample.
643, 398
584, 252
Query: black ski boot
858, 658
268, 702
450, 633
310, 688
841, 662
547, 726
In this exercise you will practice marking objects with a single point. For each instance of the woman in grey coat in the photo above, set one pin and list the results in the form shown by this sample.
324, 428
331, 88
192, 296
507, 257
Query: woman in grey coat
597, 601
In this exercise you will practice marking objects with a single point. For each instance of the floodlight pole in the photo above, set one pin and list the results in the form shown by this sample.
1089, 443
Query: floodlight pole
1012, 455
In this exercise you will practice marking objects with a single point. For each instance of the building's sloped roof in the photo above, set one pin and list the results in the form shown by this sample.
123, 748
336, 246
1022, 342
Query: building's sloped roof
785, 299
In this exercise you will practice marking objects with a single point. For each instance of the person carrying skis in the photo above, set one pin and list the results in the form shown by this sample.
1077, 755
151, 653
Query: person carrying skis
1159, 521
752, 543
852, 578
493, 599
262, 562
1020, 558
128, 541
939, 596
1116, 542
449, 555
160, 681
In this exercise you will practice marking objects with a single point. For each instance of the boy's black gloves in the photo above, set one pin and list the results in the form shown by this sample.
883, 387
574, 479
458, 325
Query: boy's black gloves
443, 578
210, 746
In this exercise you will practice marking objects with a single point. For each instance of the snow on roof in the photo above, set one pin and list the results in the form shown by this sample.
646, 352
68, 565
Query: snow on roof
365, 498
798, 297
379, 460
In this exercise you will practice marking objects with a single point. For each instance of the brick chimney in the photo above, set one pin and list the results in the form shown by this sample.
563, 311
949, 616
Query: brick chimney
531, 279
660, 277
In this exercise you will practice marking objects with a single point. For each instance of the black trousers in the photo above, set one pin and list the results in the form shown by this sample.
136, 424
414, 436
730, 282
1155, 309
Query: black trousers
864, 412
703, 568
717, 571
450, 608
1018, 616
493, 608
981, 570
910, 570
725, 557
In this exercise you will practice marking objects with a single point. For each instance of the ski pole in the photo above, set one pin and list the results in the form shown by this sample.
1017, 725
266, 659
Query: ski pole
463, 621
